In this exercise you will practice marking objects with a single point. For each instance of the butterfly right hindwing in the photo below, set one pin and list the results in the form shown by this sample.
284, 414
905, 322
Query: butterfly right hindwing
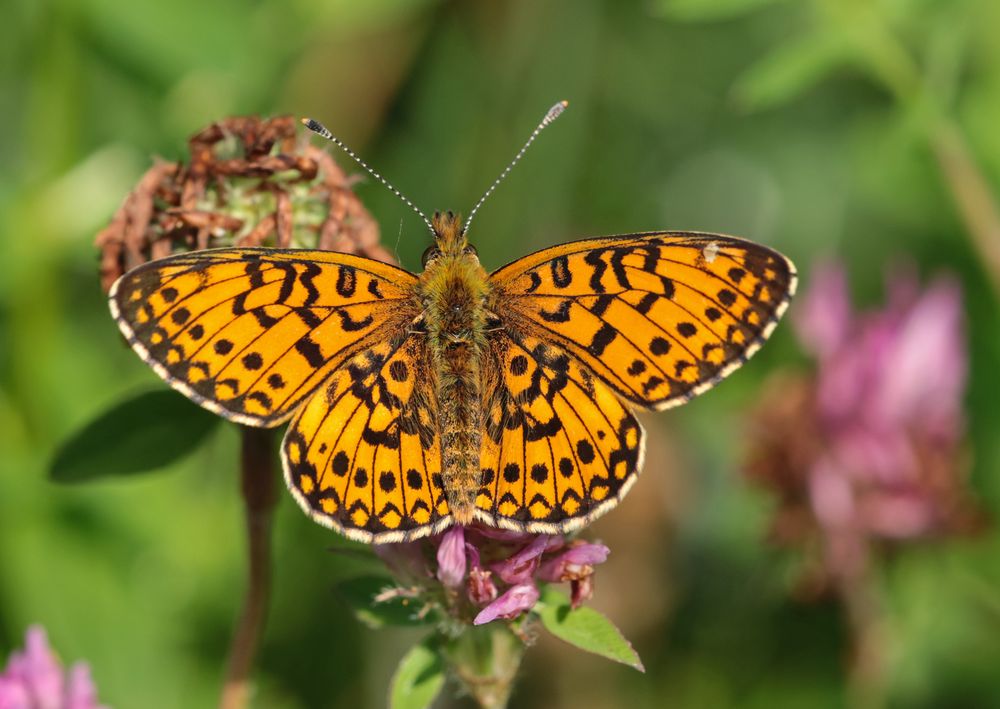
560, 447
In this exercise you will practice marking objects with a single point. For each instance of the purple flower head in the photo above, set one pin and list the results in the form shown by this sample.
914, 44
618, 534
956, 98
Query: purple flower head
481, 588
869, 447
575, 563
500, 571
451, 557
521, 567
515, 601
34, 679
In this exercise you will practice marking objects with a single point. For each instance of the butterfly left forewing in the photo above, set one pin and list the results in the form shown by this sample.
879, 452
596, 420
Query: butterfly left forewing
660, 317
250, 333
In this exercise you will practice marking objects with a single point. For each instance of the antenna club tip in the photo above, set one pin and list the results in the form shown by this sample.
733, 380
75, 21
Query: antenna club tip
313, 125
555, 112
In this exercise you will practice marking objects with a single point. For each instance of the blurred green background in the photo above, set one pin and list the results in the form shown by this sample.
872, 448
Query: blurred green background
804, 125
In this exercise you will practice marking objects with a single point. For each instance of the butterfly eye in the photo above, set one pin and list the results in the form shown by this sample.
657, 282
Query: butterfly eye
430, 253
470, 250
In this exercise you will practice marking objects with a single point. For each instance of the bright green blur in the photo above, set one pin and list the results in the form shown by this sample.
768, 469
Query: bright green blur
802, 125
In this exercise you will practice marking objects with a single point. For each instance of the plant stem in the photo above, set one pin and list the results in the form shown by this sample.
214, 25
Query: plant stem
973, 196
866, 675
257, 483
485, 660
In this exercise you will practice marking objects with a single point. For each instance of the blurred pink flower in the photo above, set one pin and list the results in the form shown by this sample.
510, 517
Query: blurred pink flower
34, 679
870, 447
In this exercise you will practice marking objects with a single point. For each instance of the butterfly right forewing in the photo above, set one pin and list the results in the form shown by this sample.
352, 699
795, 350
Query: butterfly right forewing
660, 317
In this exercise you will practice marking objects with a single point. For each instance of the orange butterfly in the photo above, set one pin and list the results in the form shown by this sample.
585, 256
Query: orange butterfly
456, 396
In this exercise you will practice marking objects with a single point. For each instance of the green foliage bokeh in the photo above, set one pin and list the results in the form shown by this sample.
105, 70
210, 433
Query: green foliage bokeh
802, 125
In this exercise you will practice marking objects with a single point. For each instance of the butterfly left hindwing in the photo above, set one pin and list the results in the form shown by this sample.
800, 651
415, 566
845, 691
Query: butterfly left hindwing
363, 456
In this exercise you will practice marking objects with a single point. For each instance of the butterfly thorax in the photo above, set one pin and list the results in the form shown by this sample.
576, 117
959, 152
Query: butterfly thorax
453, 289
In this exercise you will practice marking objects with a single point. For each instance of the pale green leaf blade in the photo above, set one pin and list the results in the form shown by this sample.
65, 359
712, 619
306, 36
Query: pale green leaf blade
418, 679
586, 629
791, 69
709, 10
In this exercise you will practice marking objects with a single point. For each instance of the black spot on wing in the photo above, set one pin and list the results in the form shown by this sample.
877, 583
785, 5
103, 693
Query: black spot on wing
560, 314
347, 281
602, 338
561, 275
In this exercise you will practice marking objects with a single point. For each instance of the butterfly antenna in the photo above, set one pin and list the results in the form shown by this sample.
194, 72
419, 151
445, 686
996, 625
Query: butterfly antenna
553, 113
318, 128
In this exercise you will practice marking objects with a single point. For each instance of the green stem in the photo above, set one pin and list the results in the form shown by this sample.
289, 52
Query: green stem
867, 671
257, 482
973, 196
485, 661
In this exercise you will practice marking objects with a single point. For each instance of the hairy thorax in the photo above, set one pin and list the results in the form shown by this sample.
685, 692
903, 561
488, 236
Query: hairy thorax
453, 289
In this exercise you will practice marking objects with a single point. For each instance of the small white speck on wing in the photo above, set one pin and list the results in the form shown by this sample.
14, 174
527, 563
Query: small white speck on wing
710, 251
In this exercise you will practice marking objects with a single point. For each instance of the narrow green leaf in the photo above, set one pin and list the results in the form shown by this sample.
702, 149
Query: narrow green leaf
139, 435
418, 678
586, 629
791, 69
709, 10
359, 593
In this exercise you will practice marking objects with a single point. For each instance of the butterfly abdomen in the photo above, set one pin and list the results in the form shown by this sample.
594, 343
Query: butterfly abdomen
453, 291
460, 405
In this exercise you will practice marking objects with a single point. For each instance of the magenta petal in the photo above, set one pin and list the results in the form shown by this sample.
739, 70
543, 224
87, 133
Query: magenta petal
451, 558
823, 318
570, 564
13, 694
925, 383
581, 590
42, 673
520, 567
80, 691
831, 495
515, 601
480, 586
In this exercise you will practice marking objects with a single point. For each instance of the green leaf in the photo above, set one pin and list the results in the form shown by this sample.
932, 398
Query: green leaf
791, 69
418, 679
139, 435
359, 593
586, 629
709, 10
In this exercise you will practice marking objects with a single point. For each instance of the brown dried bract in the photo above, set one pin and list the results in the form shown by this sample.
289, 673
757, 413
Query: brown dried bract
235, 165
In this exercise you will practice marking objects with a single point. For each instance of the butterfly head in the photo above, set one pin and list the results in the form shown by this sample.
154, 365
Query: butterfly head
449, 240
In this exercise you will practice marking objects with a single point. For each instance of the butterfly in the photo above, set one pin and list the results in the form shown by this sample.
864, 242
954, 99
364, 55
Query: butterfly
456, 396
